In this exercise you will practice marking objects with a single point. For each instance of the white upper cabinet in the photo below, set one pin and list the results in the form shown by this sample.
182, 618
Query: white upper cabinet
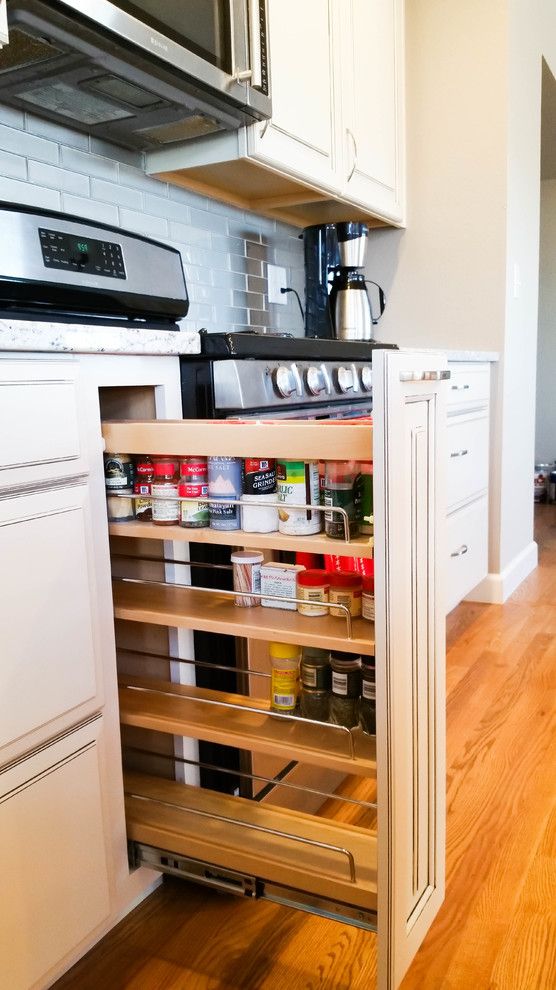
302, 131
371, 74
334, 147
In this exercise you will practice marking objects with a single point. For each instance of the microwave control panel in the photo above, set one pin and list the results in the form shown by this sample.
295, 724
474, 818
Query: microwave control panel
83, 254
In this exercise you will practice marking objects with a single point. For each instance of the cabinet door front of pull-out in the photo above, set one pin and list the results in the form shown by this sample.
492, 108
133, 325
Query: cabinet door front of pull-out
410, 640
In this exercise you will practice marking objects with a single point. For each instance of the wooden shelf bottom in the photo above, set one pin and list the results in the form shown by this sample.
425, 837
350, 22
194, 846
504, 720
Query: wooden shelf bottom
290, 848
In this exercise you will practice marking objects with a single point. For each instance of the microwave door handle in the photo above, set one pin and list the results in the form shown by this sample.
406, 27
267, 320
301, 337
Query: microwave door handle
239, 40
3, 23
256, 10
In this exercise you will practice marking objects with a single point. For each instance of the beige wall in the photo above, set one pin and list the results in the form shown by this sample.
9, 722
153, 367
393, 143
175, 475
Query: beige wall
545, 433
465, 272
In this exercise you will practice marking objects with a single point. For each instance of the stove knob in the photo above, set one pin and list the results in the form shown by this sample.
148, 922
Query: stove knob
345, 379
284, 381
367, 379
315, 381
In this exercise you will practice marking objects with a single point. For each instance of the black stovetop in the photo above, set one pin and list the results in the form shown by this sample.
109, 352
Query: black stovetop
248, 344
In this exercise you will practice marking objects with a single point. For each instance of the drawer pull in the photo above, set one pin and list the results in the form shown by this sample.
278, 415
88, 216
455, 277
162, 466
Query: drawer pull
425, 376
460, 551
459, 388
459, 453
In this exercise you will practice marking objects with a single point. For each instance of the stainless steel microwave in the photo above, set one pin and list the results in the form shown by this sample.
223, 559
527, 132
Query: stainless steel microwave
143, 74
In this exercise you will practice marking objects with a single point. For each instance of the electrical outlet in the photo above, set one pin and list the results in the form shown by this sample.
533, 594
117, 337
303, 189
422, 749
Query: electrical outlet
276, 277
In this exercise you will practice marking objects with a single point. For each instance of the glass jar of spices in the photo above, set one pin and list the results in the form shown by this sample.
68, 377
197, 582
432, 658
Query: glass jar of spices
193, 485
118, 481
312, 588
314, 698
144, 475
341, 491
346, 689
367, 702
166, 507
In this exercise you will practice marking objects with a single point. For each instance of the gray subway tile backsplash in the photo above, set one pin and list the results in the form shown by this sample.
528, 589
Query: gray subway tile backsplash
224, 248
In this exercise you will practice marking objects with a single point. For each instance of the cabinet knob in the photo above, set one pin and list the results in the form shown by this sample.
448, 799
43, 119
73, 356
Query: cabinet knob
460, 551
459, 453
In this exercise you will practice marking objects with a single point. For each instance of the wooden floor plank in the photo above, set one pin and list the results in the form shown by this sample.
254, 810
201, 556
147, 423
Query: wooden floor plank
496, 930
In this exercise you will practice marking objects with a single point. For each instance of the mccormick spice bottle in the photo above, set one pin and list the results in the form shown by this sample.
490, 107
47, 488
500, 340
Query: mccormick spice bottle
284, 685
166, 511
144, 475
193, 485
314, 697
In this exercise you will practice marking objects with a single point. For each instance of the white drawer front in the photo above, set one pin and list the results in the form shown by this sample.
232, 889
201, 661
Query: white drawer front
52, 857
468, 448
38, 407
469, 384
467, 546
47, 613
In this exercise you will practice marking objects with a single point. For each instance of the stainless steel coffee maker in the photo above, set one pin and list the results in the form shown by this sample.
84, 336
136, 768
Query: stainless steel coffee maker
337, 299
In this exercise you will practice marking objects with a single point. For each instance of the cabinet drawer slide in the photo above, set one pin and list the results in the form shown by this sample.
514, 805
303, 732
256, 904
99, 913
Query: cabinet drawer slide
323, 858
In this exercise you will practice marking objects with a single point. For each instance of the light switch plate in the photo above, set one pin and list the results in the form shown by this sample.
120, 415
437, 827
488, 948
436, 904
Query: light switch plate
276, 278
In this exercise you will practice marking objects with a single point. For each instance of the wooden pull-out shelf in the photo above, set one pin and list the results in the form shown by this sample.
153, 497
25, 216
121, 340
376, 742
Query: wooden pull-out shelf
204, 714
360, 546
276, 845
189, 608
293, 439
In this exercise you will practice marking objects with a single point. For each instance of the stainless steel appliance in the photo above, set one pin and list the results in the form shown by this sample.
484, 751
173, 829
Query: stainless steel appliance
143, 74
55, 266
337, 302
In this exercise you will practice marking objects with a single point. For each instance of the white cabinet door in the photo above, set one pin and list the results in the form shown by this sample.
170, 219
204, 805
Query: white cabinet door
372, 105
52, 857
301, 138
409, 456
50, 664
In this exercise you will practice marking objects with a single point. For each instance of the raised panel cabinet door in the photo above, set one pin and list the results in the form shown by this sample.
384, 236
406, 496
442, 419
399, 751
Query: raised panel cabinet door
50, 664
39, 413
372, 77
300, 138
52, 857
409, 506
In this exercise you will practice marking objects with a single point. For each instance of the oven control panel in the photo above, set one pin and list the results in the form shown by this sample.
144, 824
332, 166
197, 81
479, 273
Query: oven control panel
82, 254
255, 384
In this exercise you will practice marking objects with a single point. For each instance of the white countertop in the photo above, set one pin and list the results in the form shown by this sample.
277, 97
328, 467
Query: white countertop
26, 335
455, 355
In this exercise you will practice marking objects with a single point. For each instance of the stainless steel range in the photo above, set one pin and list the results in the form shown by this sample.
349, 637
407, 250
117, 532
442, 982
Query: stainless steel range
251, 374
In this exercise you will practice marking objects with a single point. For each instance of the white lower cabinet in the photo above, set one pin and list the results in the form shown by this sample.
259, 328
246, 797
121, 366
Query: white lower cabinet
467, 536
467, 478
52, 856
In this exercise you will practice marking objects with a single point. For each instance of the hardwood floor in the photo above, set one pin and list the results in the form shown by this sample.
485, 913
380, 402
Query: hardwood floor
497, 927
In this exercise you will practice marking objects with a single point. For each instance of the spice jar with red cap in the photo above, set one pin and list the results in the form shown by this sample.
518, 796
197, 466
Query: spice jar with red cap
345, 589
166, 506
313, 587
368, 598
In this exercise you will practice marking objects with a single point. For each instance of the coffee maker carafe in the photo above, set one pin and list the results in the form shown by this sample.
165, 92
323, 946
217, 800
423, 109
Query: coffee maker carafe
337, 301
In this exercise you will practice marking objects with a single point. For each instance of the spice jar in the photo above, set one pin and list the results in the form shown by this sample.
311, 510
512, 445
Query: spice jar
346, 689
312, 587
345, 589
144, 474
247, 576
193, 485
166, 507
368, 598
224, 479
367, 701
366, 507
341, 491
118, 480
314, 697
284, 684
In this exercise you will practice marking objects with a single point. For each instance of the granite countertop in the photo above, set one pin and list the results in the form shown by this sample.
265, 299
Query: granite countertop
27, 335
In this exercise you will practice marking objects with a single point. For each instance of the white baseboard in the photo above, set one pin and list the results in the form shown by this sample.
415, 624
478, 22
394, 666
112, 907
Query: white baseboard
495, 589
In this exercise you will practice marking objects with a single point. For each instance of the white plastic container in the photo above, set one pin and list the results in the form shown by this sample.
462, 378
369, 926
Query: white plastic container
257, 515
247, 576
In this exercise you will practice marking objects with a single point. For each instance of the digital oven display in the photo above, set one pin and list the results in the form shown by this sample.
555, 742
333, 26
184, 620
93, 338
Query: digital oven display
81, 254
